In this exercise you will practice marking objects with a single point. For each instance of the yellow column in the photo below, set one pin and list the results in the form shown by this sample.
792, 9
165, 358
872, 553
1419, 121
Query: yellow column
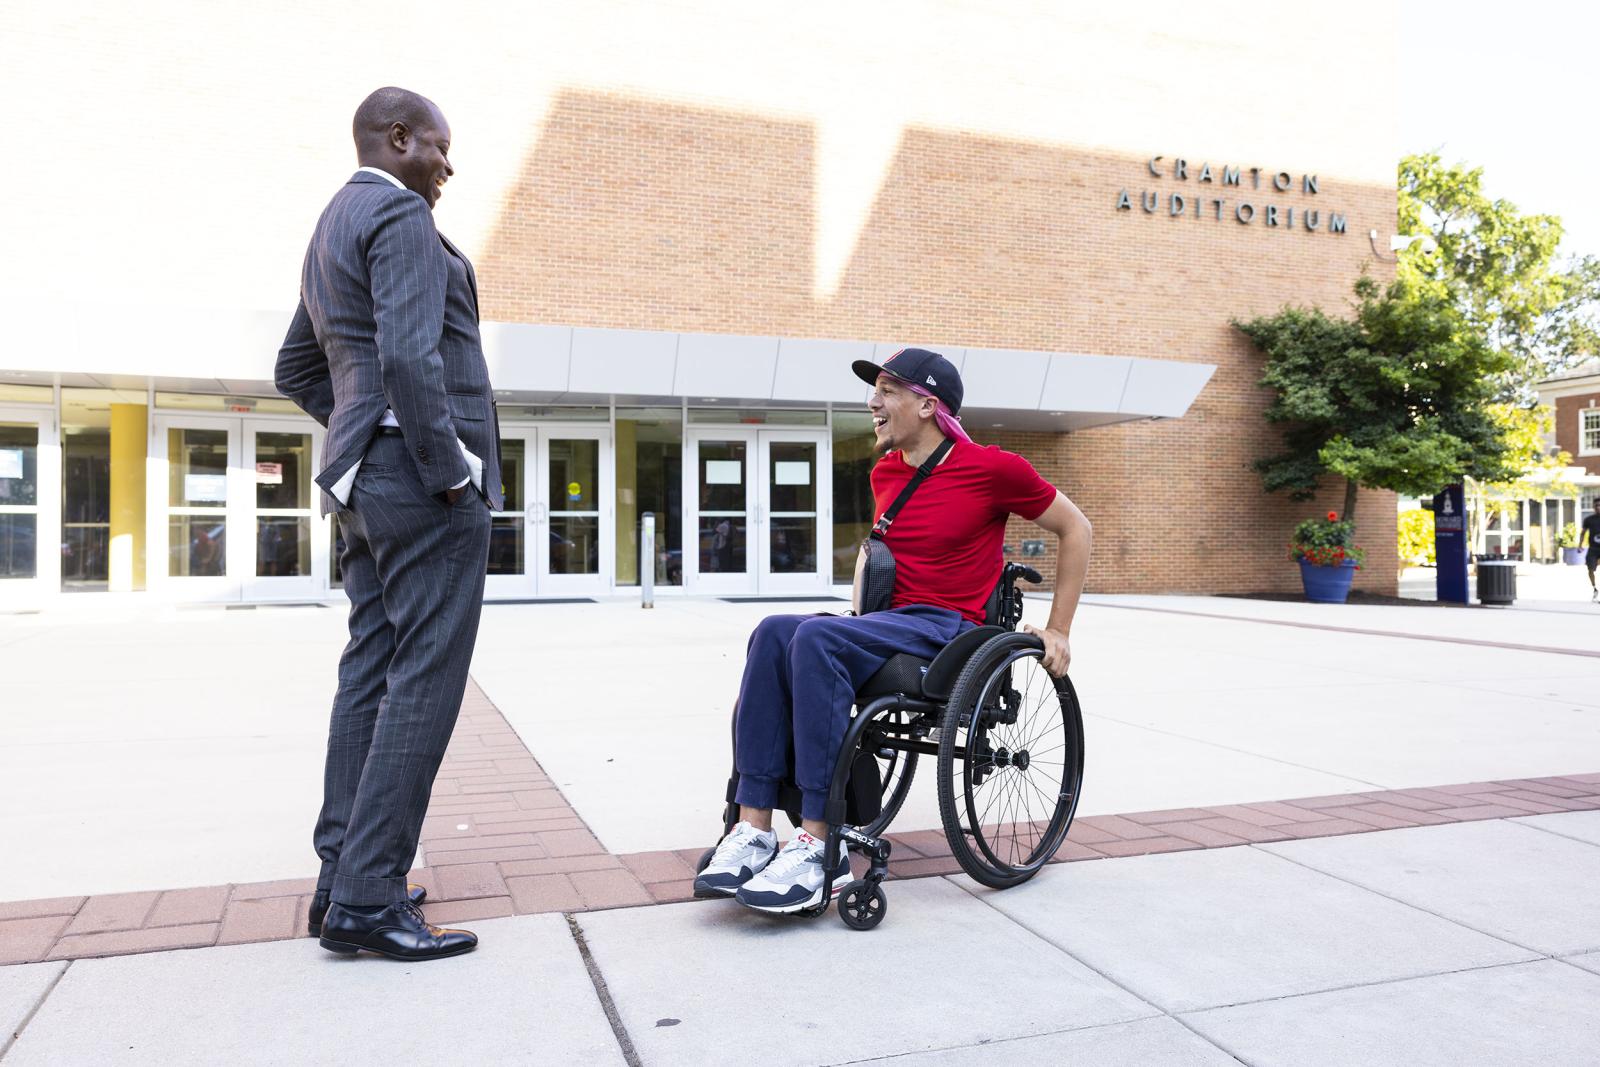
129, 447
627, 457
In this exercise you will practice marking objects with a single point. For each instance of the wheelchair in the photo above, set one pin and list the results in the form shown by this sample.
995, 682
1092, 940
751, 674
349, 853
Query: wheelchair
1008, 740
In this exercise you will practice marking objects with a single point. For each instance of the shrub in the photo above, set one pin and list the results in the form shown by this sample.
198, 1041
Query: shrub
1416, 536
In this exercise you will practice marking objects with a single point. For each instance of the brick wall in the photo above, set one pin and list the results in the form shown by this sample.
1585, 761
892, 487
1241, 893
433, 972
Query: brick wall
649, 215
1567, 428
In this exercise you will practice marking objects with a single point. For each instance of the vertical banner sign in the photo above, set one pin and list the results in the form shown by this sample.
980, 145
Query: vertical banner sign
1450, 545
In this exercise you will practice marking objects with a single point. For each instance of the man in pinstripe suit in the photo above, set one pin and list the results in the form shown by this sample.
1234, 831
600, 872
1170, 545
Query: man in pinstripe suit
384, 351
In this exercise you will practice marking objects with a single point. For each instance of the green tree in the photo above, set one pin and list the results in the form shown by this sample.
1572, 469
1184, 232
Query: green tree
1401, 397
1499, 269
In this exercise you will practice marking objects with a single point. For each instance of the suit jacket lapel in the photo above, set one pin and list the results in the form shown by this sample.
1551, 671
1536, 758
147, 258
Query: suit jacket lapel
472, 275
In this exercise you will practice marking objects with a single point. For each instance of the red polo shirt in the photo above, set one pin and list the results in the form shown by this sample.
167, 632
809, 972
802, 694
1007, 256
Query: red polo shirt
947, 539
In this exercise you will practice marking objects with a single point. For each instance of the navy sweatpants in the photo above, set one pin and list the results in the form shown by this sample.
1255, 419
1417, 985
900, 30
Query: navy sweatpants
800, 679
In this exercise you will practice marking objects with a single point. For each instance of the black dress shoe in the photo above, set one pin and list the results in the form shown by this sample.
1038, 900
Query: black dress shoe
319, 906
397, 930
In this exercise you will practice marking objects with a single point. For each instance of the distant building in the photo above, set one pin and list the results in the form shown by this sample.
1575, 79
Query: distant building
1529, 528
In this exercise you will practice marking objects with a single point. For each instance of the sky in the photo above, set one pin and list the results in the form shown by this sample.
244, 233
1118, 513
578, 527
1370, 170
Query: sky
1510, 88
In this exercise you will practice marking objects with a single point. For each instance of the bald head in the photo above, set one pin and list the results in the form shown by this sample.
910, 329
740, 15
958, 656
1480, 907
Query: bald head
385, 107
405, 134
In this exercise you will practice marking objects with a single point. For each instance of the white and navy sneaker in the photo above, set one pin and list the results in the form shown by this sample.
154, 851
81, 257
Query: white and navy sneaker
793, 881
739, 857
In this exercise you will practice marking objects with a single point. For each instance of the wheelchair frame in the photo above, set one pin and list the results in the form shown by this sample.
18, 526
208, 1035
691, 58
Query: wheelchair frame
898, 722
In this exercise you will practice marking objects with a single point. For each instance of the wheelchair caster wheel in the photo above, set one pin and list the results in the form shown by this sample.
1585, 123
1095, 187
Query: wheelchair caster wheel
862, 905
705, 860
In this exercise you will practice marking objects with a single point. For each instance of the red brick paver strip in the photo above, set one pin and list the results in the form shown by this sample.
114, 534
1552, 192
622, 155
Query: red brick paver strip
186, 907
1144, 846
564, 865
115, 911
659, 867
608, 889
123, 942
26, 940
500, 839
671, 892
1248, 831
544, 892
261, 919
33, 909
1201, 834
461, 911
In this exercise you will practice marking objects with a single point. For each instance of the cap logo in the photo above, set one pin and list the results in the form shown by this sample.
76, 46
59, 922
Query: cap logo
931, 381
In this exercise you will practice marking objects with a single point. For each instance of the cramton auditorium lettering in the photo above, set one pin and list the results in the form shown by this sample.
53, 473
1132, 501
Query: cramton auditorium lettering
1262, 196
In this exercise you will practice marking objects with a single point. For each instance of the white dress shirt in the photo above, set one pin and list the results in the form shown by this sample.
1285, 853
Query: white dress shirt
341, 488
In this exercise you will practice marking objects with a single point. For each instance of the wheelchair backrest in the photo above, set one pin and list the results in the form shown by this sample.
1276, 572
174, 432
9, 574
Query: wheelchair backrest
1004, 607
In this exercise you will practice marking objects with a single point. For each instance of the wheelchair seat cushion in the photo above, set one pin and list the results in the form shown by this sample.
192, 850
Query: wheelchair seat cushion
902, 674
946, 666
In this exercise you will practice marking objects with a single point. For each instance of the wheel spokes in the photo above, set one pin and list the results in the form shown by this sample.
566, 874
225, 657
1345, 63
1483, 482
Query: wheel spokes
1019, 835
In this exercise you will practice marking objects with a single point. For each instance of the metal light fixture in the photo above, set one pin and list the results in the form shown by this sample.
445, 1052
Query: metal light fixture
1400, 241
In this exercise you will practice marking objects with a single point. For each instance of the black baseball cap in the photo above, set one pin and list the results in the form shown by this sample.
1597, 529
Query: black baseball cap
918, 366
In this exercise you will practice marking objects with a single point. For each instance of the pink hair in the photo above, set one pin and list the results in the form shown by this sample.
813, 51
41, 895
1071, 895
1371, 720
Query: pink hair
948, 423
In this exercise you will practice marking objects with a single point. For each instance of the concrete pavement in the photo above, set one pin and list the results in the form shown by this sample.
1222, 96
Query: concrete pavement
1182, 708
152, 748
179, 751
1435, 945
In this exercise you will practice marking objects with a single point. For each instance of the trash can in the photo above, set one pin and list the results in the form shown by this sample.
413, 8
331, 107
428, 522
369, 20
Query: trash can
1497, 581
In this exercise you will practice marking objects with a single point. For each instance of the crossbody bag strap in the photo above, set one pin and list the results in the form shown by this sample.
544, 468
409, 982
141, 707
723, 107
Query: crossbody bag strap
881, 527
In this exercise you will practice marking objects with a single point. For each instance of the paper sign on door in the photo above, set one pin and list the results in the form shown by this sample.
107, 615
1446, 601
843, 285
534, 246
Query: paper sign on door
724, 472
205, 488
793, 472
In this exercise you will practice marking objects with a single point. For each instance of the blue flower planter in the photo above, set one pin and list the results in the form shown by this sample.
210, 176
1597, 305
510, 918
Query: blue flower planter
1572, 557
1327, 585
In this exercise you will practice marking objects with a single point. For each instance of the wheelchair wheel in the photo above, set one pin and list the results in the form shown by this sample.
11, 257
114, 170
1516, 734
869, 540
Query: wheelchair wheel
862, 905
896, 769
1010, 762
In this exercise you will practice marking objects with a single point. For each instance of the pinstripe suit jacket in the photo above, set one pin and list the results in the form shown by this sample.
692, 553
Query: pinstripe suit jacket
388, 318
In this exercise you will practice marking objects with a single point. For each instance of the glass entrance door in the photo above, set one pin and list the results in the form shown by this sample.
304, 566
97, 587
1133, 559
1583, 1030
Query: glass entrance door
511, 574
30, 500
719, 489
794, 492
757, 511
573, 495
290, 539
555, 536
236, 514
196, 548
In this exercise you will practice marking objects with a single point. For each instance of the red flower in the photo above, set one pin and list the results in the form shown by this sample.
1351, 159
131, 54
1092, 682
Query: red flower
1333, 516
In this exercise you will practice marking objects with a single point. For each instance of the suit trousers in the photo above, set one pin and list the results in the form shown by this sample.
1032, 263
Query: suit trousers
413, 567
801, 674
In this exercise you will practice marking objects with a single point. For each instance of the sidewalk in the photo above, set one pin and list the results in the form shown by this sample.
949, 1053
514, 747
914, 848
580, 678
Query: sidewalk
1297, 820
1472, 943
162, 750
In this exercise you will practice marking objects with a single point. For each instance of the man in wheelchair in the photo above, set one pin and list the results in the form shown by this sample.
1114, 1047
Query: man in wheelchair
803, 671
